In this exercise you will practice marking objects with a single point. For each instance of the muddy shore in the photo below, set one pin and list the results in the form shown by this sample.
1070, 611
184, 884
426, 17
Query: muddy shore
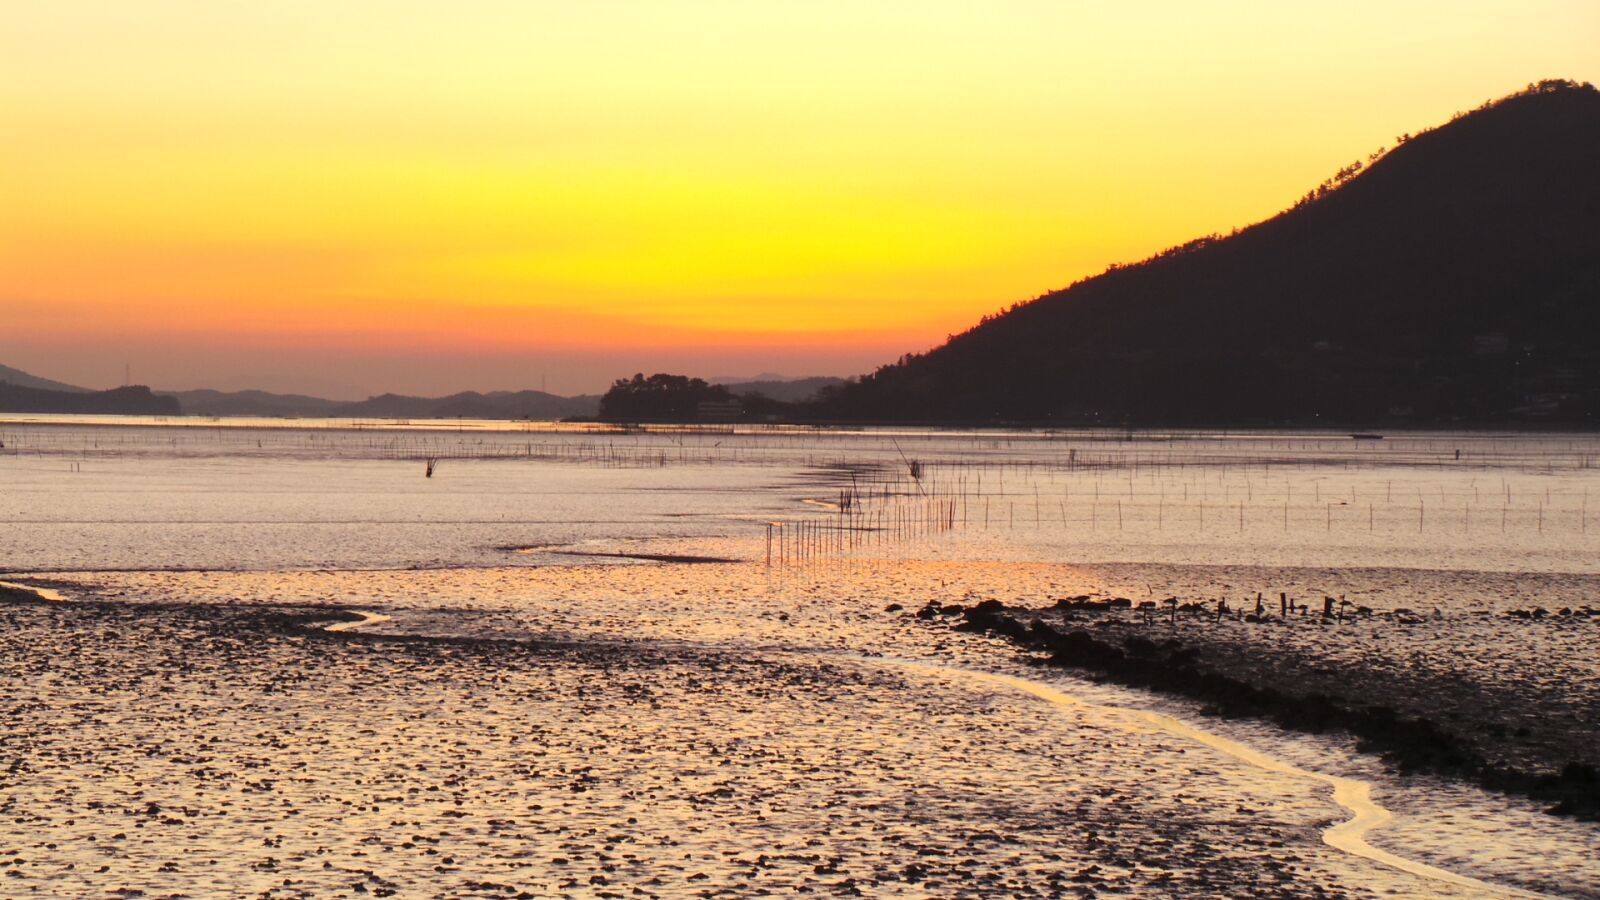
229, 750
1506, 727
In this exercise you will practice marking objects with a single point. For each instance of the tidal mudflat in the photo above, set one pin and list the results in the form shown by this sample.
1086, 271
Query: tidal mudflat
285, 662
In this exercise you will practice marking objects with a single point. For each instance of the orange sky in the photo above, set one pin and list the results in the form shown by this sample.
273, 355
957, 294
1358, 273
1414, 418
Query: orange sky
429, 196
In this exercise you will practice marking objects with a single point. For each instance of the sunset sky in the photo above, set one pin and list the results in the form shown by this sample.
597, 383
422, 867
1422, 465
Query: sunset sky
424, 197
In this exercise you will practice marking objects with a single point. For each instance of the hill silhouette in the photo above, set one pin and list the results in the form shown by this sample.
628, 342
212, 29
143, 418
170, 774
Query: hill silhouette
136, 400
22, 392
468, 404
206, 402
1455, 278
471, 405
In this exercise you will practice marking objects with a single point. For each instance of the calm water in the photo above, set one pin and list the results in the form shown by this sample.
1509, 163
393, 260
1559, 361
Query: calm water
591, 719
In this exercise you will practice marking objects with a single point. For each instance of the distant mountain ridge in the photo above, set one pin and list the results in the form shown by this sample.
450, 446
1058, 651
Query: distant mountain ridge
465, 405
22, 392
473, 405
1454, 279
526, 404
135, 400
250, 403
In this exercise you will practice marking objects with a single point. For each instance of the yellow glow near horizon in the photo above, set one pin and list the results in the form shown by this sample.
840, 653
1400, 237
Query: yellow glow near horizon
612, 174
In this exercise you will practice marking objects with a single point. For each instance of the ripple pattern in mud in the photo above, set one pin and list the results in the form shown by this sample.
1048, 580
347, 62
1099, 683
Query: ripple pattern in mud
209, 751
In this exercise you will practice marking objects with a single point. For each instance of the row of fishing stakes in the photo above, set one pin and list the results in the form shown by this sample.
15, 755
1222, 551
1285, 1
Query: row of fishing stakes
806, 540
1332, 610
1128, 503
1088, 482
1028, 454
883, 506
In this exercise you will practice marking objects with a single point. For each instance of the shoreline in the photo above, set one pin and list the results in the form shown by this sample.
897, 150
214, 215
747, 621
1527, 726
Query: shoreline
1350, 794
510, 767
1396, 718
251, 642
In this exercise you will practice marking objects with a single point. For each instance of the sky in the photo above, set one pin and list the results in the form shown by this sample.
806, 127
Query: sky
425, 197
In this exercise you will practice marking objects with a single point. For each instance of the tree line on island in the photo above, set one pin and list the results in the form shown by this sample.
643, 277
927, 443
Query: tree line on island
680, 398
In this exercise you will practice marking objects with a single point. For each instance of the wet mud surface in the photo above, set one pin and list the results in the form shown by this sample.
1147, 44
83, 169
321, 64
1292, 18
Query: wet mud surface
1506, 664
1402, 718
196, 750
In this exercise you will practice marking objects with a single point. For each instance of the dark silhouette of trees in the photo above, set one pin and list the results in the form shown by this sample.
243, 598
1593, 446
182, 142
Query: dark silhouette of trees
659, 398
1453, 278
